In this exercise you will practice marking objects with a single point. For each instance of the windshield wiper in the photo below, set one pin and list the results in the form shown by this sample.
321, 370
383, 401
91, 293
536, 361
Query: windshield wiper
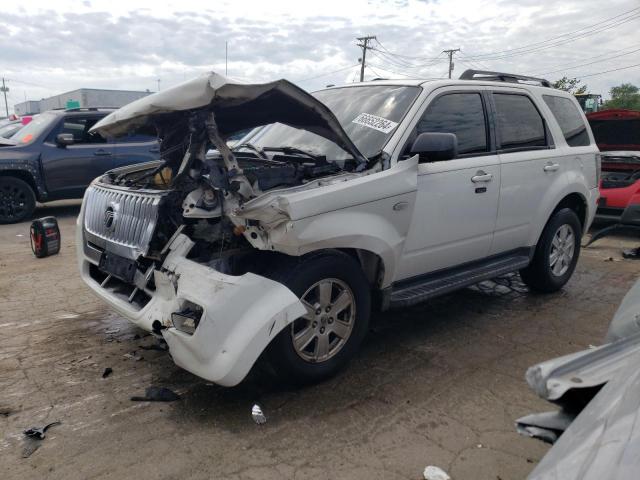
250, 146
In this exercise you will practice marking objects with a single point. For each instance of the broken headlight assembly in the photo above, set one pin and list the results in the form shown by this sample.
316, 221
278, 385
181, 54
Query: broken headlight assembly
187, 319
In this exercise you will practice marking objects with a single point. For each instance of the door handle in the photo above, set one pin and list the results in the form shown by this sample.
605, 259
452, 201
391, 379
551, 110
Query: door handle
154, 150
481, 176
551, 167
102, 152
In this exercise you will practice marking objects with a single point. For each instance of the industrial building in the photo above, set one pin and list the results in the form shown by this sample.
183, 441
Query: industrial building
80, 98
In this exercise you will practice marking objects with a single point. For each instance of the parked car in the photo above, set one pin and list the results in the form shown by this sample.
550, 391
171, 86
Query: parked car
595, 431
380, 195
617, 133
55, 157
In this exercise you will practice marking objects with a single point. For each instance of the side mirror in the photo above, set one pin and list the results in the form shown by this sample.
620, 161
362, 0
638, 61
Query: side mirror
64, 139
435, 147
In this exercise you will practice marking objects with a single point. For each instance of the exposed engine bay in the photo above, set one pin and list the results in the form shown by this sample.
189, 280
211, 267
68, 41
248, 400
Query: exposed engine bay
620, 171
207, 186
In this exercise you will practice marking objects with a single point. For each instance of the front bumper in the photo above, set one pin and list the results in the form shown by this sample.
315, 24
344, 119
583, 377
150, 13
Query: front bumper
240, 314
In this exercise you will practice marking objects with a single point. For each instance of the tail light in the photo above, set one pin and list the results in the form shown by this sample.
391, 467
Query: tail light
598, 168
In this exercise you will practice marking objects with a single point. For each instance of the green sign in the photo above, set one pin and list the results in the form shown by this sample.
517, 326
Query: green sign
72, 104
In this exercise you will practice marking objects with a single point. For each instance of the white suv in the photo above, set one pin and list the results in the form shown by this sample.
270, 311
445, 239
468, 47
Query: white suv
374, 195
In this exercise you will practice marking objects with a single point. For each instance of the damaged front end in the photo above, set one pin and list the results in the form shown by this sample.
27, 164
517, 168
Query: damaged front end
183, 246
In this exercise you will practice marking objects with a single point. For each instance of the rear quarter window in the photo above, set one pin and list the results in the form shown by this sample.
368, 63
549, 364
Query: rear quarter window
568, 117
519, 123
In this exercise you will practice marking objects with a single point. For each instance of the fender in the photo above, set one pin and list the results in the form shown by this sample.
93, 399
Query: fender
372, 212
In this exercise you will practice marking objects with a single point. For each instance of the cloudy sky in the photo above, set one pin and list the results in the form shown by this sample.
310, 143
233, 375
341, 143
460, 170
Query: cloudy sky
50, 47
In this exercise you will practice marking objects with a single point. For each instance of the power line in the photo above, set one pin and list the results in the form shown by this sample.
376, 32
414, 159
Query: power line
590, 63
327, 73
560, 39
397, 73
390, 58
405, 56
609, 71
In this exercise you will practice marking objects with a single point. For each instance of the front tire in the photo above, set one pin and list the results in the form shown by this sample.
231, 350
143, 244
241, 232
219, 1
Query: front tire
17, 200
337, 297
556, 254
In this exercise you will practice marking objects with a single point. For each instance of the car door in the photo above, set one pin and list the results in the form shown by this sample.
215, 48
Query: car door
68, 169
457, 200
135, 148
529, 162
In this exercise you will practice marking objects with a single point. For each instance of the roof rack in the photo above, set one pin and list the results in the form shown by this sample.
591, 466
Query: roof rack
488, 75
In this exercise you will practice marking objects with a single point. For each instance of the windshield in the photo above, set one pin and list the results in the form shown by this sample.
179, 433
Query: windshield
368, 114
34, 128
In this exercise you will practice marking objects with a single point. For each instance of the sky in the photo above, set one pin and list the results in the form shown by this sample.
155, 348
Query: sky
49, 47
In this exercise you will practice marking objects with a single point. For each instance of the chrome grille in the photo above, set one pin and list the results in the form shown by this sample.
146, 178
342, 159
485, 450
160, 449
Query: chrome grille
121, 221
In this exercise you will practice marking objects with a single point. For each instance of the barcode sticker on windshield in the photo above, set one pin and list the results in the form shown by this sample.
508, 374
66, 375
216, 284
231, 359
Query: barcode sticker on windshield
373, 121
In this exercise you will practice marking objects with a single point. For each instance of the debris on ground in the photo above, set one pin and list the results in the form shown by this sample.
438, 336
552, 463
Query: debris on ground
133, 356
111, 331
632, 254
107, 371
5, 411
160, 347
30, 446
435, 473
257, 415
157, 394
38, 432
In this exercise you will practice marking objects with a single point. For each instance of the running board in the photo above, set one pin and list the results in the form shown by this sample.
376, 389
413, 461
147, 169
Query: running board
412, 291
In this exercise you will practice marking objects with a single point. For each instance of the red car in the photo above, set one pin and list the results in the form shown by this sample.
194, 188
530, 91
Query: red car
617, 133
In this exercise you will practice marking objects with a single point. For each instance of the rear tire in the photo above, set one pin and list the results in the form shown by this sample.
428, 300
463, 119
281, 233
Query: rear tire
556, 254
17, 200
338, 300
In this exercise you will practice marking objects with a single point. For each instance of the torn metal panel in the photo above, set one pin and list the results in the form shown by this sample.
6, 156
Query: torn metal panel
604, 440
626, 321
601, 386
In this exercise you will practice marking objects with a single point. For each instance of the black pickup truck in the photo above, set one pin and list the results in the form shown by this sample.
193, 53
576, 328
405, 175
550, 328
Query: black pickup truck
55, 157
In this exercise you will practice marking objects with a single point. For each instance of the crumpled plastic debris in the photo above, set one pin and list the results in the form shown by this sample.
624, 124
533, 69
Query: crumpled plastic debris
435, 473
107, 371
257, 415
157, 394
111, 331
38, 432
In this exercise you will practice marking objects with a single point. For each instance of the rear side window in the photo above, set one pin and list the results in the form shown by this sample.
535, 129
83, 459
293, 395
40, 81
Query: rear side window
568, 117
519, 123
459, 113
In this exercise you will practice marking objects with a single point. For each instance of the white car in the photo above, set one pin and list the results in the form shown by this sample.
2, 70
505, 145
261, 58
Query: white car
374, 195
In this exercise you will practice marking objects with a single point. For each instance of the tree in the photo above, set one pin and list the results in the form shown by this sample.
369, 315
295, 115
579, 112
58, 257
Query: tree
624, 96
570, 85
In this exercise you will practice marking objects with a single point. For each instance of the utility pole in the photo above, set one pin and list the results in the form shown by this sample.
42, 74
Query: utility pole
158, 84
4, 90
226, 57
450, 53
364, 45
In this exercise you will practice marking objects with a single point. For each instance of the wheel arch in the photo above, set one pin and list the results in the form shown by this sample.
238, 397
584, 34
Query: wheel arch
576, 202
22, 175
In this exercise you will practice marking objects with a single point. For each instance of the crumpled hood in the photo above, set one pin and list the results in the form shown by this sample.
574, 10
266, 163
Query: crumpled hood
235, 106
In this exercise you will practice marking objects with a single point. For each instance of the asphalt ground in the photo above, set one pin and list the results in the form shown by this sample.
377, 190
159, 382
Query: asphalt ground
437, 384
